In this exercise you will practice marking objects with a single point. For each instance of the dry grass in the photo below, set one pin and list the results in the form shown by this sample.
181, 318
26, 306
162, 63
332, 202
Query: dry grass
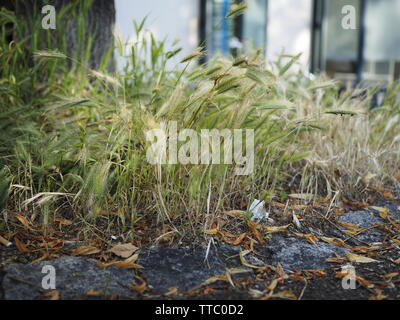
76, 142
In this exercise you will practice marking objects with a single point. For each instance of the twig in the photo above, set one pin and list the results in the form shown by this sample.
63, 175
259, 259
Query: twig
302, 291
39, 288
352, 237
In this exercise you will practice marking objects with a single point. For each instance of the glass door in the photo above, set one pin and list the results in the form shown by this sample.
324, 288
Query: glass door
232, 36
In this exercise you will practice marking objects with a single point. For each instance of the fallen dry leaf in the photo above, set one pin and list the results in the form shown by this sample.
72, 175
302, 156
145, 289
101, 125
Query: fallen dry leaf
63, 222
379, 295
208, 290
394, 224
364, 282
238, 240
126, 264
302, 196
141, 287
316, 273
173, 291
311, 238
211, 231
92, 293
243, 260
391, 275
52, 295
350, 226
269, 229
359, 259
85, 251
336, 260
272, 285
365, 249
284, 295
254, 229
21, 246
334, 241
124, 250
235, 213
211, 280
24, 221
383, 212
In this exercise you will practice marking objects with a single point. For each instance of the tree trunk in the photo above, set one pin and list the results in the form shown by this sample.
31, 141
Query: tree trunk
96, 30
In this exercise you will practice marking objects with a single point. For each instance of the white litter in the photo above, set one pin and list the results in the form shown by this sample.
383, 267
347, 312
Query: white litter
257, 208
296, 221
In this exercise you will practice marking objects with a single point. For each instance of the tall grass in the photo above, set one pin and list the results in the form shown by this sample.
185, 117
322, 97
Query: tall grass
73, 139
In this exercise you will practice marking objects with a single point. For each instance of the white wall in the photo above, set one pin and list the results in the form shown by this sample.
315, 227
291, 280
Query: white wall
171, 19
289, 28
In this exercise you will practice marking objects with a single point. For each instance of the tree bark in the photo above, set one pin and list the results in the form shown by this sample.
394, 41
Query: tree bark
99, 20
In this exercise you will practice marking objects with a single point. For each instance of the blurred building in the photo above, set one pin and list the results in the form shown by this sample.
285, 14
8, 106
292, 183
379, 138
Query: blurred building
369, 52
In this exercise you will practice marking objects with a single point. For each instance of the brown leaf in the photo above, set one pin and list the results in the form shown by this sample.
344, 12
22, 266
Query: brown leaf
85, 251
269, 229
302, 196
350, 226
243, 260
119, 212
254, 229
52, 295
24, 221
238, 240
213, 279
311, 238
279, 271
364, 282
334, 241
316, 273
391, 275
285, 295
208, 290
141, 287
211, 231
378, 296
336, 260
394, 224
126, 264
383, 212
272, 285
388, 195
359, 259
92, 293
123, 250
21, 246
365, 249
173, 291
63, 222
235, 213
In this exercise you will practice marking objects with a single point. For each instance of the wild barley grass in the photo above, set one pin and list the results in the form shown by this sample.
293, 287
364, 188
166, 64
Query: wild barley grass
75, 140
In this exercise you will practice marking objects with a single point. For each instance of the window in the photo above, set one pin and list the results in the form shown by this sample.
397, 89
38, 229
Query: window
371, 52
231, 36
